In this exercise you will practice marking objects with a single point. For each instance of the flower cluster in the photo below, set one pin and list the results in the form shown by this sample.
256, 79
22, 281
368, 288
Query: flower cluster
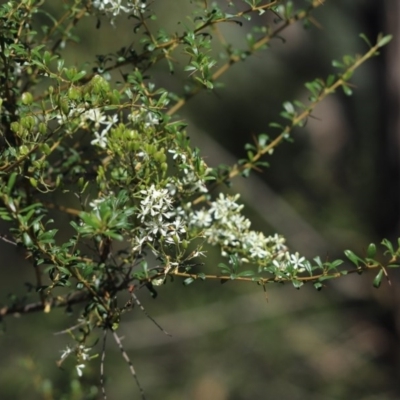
82, 354
112, 8
102, 122
99, 119
224, 225
189, 180
157, 218
147, 117
156, 202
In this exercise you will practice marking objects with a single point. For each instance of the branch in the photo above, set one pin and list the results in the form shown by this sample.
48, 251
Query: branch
235, 58
68, 300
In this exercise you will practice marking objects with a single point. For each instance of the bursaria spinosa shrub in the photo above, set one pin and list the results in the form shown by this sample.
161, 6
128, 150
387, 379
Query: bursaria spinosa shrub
147, 204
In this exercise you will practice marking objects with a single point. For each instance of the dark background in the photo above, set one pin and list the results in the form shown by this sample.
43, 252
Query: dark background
335, 187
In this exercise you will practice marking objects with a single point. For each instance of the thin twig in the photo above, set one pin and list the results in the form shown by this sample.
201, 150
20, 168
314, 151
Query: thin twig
103, 357
148, 315
5, 239
70, 329
128, 361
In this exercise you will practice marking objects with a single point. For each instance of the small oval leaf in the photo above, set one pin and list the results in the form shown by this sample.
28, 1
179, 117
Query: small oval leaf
371, 251
378, 279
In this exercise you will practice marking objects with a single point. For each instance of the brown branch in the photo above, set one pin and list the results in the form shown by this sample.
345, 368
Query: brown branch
235, 58
262, 281
68, 300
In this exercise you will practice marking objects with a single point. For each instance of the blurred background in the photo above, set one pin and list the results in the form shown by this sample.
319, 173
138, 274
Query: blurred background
336, 187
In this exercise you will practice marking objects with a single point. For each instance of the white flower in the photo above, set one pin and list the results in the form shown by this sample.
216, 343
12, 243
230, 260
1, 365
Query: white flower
84, 352
259, 252
79, 368
144, 155
66, 353
73, 112
96, 116
171, 187
151, 119
177, 155
157, 225
175, 228
140, 241
296, 261
100, 139
100, 4
138, 6
155, 202
112, 8
225, 205
191, 180
201, 218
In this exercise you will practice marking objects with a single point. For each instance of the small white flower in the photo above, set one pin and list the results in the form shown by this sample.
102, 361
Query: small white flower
156, 202
79, 369
259, 252
96, 116
297, 261
140, 241
66, 353
151, 119
138, 7
277, 264
177, 155
225, 205
96, 203
171, 187
177, 226
157, 226
202, 219
100, 139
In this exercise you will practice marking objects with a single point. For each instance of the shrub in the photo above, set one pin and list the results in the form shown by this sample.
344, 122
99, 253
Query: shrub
146, 204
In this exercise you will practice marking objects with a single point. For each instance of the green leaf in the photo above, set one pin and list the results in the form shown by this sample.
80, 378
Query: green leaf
337, 64
275, 125
347, 91
64, 271
366, 40
389, 247
353, 258
11, 182
326, 278
246, 273
334, 264
382, 41
314, 87
371, 251
297, 284
26, 239
319, 262
48, 236
78, 76
347, 75
114, 235
378, 279
188, 281
318, 285
330, 80
288, 106
223, 266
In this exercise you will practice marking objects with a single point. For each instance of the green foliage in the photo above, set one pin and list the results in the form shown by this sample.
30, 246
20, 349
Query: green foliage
110, 139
